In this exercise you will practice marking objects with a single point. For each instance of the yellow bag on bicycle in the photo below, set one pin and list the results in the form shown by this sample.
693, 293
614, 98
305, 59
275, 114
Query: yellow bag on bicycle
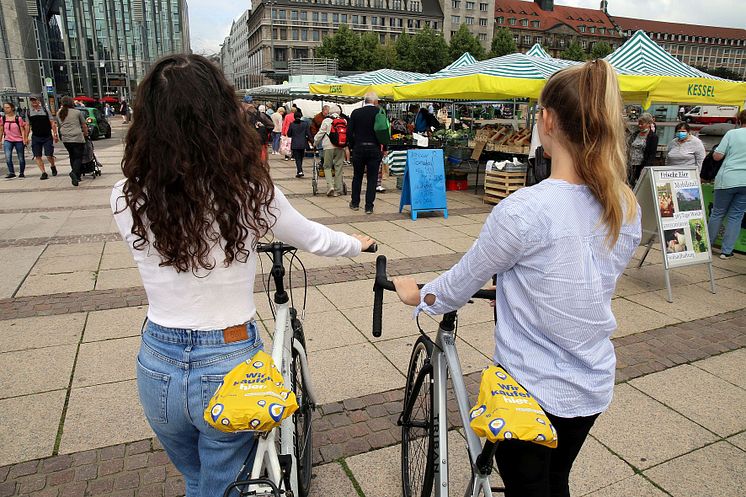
252, 397
506, 411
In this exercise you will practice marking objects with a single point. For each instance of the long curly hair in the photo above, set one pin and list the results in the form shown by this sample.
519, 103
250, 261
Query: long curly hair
195, 178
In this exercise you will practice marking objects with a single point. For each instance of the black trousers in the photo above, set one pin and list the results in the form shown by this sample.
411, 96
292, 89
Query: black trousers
366, 159
298, 156
532, 470
76, 156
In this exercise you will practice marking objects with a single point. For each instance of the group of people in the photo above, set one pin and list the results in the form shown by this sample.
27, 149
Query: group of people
42, 130
339, 139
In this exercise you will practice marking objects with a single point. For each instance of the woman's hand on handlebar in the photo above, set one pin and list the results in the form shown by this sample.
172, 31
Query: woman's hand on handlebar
365, 241
407, 290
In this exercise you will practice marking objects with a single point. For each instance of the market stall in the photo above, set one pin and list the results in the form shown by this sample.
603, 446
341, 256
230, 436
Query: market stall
382, 82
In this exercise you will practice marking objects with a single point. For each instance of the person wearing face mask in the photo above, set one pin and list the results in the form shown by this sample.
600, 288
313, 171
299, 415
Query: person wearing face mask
685, 149
641, 148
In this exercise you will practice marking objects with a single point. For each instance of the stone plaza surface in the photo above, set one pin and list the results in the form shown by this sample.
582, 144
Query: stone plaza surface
72, 306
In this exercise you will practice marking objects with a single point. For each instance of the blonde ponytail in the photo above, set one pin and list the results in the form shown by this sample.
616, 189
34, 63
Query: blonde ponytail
589, 111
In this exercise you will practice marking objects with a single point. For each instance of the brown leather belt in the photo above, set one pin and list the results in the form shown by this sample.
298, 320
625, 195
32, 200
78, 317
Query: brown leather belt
235, 333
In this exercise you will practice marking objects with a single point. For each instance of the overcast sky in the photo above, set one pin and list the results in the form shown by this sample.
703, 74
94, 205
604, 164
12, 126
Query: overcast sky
210, 20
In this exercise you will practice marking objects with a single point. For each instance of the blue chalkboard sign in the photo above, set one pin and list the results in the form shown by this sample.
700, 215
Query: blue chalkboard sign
424, 187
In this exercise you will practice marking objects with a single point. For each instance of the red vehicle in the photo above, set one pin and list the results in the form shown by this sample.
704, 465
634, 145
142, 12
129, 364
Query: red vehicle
712, 114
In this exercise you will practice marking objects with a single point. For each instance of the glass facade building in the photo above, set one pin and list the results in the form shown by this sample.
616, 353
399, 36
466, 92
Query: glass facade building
110, 44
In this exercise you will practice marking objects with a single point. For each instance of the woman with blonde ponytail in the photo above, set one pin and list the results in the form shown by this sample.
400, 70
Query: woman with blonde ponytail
557, 248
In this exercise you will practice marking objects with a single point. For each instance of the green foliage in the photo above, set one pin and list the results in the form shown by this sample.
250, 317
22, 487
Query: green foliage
404, 46
721, 72
600, 50
343, 46
464, 41
386, 56
429, 52
574, 52
367, 57
503, 43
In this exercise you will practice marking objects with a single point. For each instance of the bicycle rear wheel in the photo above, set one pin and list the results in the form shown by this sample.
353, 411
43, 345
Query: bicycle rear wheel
302, 417
418, 425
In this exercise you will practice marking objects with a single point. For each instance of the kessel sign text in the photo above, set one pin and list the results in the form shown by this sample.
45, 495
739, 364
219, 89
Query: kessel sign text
673, 212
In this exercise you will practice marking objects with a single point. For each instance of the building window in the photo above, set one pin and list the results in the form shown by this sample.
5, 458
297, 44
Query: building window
584, 43
524, 22
535, 24
456, 20
483, 7
343, 18
511, 21
281, 54
516, 38
469, 5
355, 19
456, 4
324, 17
281, 15
410, 23
469, 21
418, 24
382, 38
500, 20
526, 39
293, 15
392, 22
283, 34
315, 35
482, 22
315, 16
537, 39
435, 25
562, 43
335, 18
374, 21
603, 31
581, 29
296, 34
304, 35
482, 37
303, 15
593, 29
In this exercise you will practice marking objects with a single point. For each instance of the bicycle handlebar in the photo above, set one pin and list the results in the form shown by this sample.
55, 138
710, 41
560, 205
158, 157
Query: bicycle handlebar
382, 283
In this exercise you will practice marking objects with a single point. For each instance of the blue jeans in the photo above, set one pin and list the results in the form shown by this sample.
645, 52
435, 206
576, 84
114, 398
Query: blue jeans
178, 371
730, 201
276, 141
19, 147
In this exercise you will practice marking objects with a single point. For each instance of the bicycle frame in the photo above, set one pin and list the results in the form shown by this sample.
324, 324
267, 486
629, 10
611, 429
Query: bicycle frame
267, 457
444, 359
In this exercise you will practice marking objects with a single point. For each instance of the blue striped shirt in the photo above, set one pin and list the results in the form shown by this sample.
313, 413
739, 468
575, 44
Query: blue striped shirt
555, 280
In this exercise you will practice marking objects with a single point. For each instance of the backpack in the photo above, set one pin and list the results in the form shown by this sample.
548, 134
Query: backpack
710, 166
17, 122
338, 133
382, 128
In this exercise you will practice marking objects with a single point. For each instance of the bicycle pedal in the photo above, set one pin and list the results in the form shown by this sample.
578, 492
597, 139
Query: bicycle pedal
241, 486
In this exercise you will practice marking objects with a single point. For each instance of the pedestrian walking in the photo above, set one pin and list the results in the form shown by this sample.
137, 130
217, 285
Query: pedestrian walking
685, 149
277, 120
260, 122
14, 136
124, 110
641, 148
366, 152
331, 138
73, 133
43, 136
557, 248
201, 321
300, 139
730, 188
288, 120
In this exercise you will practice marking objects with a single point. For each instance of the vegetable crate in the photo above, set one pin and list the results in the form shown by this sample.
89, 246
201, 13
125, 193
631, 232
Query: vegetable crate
500, 184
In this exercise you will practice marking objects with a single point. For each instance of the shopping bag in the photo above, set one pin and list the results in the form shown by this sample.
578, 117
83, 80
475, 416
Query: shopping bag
285, 145
506, 411
252, 397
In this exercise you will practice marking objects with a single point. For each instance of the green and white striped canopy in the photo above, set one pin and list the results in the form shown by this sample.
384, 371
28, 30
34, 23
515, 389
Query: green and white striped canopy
466, 59
642, 56
538, 51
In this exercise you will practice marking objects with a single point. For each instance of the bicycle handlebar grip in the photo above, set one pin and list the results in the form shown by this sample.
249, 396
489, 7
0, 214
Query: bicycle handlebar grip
372, 249
378, 295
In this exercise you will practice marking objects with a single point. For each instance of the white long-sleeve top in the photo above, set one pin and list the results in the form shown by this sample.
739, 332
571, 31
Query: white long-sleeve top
555, 279
223, 296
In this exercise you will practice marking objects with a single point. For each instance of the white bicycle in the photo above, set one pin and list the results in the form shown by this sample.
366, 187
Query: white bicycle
282, 457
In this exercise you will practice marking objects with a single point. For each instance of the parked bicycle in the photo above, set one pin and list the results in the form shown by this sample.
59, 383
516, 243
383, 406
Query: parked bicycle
424, 423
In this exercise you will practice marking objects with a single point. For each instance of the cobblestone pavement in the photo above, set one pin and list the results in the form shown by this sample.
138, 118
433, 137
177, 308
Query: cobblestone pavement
71, 307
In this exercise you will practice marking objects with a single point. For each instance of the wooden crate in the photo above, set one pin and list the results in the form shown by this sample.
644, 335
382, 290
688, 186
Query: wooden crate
500, 184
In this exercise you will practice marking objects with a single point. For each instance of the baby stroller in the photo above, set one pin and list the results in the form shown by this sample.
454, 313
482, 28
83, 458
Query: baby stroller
318, 172
90, 164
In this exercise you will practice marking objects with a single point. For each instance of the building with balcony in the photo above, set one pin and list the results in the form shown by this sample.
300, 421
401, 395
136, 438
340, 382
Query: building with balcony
118, 41
476, 14
283, 30
555, 27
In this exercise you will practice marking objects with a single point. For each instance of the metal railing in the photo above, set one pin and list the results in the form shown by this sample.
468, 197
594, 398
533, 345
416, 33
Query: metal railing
313, 66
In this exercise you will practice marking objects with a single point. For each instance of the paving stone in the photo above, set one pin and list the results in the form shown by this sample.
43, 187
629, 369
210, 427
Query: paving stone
29, 440
713, 471
698, 395
45, 284
728, 366
118, 278
596, 467
12, 275
636, 486
106, 361
633, 318
330, 329
330, 480
19, 370
114, 323
352, 294
398, 321
645, 432
60, 265
690, 302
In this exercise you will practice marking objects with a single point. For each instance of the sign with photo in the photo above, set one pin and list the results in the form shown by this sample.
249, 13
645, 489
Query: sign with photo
672, 206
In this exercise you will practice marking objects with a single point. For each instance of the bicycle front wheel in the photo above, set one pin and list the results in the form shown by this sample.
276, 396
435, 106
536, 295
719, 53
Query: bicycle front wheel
418, 424
302, 417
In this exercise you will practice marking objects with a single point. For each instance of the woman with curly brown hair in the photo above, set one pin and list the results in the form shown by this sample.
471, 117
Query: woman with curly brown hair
195, 200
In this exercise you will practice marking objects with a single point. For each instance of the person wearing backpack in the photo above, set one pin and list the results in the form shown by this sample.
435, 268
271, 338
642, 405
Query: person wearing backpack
366, 148
43, 136
332, 138
14, 136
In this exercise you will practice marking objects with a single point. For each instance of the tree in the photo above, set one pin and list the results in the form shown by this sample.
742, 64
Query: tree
429, 51
464, 41
369, 45
503, 43
574, 52
385, 56
721, 72
404, 45
600, 50
343, 46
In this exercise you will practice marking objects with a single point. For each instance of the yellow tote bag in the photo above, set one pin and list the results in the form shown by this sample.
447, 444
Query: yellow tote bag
506, 411
252, 397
